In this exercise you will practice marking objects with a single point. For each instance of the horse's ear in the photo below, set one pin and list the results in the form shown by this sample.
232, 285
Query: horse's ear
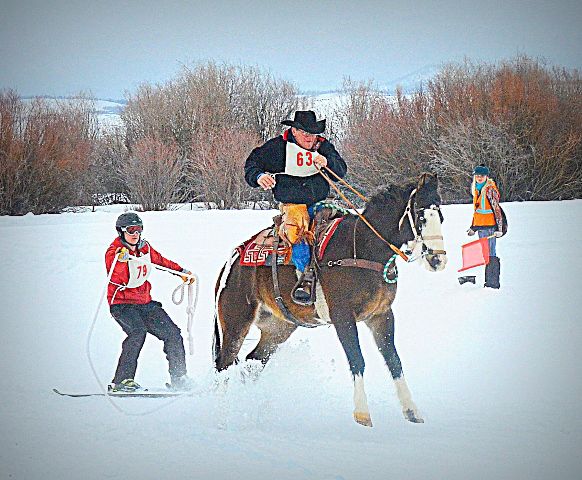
432, 178
422, 180
427, 179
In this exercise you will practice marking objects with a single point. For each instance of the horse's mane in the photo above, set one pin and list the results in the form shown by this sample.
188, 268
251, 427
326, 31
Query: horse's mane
390, 194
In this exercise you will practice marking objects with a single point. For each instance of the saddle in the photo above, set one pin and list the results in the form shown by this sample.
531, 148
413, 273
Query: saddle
257, 251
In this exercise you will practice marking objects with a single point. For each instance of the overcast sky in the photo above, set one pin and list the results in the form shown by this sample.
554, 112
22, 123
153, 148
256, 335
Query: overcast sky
109, 47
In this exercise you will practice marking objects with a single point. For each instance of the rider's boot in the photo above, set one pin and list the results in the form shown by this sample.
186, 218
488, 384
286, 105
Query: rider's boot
303, 292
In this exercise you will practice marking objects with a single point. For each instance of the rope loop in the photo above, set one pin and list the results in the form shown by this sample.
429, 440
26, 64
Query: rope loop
326, 204
191, 308
179, 289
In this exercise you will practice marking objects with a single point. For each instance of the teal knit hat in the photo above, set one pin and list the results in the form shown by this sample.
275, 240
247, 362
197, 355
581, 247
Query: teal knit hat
481, 170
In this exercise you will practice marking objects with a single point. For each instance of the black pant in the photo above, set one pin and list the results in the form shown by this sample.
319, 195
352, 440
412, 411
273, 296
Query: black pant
139, 320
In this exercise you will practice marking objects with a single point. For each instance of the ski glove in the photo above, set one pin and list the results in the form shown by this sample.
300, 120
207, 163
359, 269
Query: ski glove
498, 234
470, 232
185, 279
122, 254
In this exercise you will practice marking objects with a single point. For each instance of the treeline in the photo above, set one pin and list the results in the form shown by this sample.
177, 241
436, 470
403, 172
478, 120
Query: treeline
521, 118
187, 139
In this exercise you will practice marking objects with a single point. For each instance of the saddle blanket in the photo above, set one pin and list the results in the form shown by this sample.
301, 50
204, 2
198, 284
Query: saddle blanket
258, 250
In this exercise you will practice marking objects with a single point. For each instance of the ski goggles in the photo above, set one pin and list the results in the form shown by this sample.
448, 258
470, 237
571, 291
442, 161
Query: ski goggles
132, 229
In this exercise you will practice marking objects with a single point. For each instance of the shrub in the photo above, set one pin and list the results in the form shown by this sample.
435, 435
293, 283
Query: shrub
153, 172
45, 153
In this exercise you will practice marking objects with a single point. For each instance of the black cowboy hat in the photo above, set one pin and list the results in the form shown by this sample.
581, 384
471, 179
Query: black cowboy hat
305, 120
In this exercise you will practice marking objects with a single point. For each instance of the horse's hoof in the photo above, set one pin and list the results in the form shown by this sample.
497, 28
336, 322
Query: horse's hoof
363, 419
411, 416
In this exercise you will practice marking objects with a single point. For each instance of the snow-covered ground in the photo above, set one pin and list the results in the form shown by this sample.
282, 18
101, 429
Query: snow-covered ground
496, 374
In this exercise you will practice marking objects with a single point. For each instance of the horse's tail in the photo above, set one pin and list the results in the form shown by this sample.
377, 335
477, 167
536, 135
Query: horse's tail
216, 343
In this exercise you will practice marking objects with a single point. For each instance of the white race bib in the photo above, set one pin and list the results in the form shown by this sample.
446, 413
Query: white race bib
299, 162
139, 270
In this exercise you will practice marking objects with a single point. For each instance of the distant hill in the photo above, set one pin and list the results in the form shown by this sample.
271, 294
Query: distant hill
325, 102
108, 110
411, 82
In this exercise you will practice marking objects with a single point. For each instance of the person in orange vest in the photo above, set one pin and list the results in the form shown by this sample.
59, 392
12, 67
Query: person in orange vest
487, 220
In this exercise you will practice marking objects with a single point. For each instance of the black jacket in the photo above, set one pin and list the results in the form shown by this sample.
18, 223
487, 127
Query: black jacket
270, 158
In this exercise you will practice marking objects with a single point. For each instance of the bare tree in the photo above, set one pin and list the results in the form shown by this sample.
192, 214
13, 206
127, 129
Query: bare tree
461, 146
217, 174
45, 153
106, 184
153, 173
210, 96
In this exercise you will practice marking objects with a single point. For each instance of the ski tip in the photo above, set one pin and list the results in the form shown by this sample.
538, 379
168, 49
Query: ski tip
63, 394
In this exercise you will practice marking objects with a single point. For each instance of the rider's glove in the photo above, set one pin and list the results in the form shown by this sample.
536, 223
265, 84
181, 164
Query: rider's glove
187, 279
470, 232
122, 254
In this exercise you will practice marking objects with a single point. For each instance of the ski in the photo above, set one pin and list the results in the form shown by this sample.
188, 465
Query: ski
138, 394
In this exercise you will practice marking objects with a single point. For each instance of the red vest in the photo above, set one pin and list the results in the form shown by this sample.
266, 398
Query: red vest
120, 276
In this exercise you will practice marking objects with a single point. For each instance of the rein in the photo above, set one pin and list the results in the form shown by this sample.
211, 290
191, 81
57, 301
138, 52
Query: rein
351, 205
362, 197
407, 213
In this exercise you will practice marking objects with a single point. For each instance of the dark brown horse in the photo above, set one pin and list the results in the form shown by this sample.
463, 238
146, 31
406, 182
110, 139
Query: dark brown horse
346, 293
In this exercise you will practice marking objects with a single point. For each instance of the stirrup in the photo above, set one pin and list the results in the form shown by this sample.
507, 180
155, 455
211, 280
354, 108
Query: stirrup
303, 293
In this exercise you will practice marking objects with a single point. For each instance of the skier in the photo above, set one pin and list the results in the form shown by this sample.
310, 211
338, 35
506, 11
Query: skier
487, 220
287, 165
131, 305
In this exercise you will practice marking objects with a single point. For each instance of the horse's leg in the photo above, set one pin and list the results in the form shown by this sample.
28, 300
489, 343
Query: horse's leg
382, 328
273, 332
347, 332
236, 316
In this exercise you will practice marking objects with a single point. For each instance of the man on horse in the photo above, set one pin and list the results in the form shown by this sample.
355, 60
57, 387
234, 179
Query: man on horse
487, 219
289, 165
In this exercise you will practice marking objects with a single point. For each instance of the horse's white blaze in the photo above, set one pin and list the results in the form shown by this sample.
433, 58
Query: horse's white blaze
360, 398
432, 237
405, 396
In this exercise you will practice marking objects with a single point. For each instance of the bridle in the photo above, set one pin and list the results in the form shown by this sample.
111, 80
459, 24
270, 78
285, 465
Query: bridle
419, 217
410, 208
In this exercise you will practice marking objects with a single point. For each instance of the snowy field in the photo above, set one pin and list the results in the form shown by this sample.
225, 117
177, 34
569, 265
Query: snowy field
496, 374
